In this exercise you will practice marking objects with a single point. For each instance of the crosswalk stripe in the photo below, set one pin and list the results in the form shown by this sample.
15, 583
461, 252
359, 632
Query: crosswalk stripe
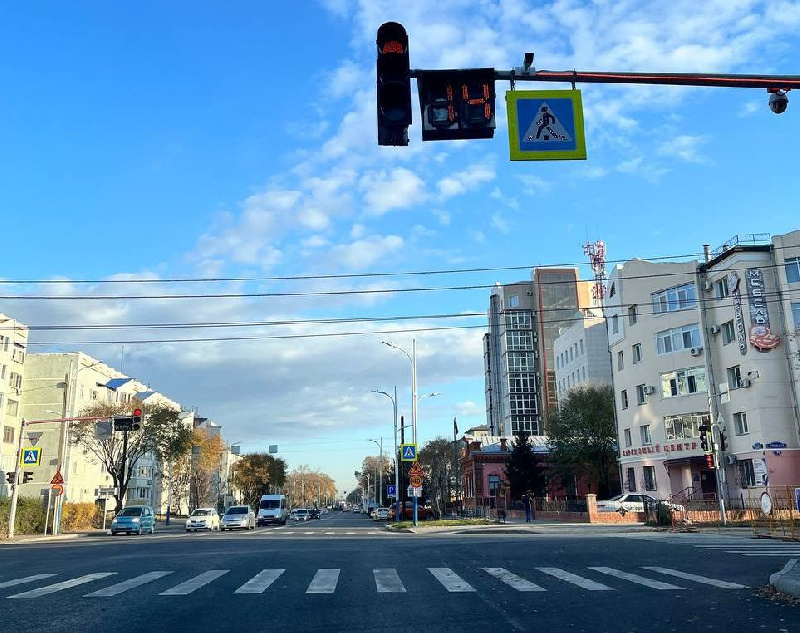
261, 581
350, 533
639, 580
387, 581
324, 581
121, 587
512, 580
307, 532
450, 580
24, 581
584, 583
289, 532
749, 546
702, 579
330, 532
192, 584
762, 551
60, 586
784, 555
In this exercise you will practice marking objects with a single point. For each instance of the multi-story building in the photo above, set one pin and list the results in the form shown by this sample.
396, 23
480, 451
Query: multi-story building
524, 319
581, 353
13, 349
709, 345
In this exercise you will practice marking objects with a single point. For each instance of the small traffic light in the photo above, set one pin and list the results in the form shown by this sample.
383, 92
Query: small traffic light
709, 461
394, 85
704, 438
723, 441
136, 419
11, 477
27, 476
457, 104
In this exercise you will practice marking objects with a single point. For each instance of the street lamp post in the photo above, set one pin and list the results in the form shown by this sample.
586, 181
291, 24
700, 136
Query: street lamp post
380, 471
396, 461
413, 358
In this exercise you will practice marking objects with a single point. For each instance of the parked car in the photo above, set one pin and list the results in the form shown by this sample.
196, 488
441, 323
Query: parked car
300, 514
203, 519
134, 520
632, 502
380, 514
238, 517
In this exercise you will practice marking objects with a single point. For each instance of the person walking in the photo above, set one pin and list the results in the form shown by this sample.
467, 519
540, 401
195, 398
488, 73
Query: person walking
526, 499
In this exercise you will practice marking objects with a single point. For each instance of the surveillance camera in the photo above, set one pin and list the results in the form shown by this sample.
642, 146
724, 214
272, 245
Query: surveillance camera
778, 102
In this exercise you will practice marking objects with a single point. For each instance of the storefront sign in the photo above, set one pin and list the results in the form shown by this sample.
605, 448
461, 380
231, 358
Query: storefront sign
738, 317
675, 447
760, 336
760, 470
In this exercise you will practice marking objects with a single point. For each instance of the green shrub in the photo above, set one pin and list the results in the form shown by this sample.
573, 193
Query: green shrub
29, 519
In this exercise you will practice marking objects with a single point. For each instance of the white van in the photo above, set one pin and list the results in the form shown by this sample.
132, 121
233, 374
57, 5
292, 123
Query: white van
272, 509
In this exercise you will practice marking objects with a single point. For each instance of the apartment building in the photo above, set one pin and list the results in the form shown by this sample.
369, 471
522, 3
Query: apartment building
13, 351
581, 353
709, 344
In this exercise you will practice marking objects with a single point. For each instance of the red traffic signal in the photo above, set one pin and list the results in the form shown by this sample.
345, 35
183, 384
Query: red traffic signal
136, 419
709, 461
394, 85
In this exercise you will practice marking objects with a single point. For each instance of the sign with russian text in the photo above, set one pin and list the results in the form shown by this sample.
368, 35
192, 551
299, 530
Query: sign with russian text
761, 337
738, 316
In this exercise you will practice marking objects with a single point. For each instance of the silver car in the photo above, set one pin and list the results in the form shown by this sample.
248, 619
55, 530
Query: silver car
238, 518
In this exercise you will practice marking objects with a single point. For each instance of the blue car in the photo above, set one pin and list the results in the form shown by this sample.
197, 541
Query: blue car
134, 520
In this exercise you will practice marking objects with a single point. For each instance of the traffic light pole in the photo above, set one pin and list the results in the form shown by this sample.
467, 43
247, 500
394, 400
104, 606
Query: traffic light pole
12, 513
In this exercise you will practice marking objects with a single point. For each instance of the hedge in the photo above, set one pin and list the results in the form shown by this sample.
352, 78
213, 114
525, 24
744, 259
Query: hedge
30, 516
80, 516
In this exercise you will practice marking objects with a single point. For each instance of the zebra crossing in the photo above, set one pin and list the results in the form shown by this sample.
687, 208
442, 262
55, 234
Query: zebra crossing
745, 546
385, 580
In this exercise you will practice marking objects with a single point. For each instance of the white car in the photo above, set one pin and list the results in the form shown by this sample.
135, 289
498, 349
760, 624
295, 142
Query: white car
203, 519
238, 518
300, 514
632, 502
380, 514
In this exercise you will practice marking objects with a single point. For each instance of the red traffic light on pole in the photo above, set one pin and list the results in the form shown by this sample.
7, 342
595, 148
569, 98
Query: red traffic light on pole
394, 85
136, 419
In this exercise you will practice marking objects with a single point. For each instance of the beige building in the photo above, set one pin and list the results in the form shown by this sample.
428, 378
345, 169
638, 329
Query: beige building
13, 350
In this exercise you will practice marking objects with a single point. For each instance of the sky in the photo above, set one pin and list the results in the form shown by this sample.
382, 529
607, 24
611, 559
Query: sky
238, 142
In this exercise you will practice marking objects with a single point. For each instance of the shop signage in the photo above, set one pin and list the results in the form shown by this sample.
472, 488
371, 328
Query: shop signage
760, 335
738, 317
674, 447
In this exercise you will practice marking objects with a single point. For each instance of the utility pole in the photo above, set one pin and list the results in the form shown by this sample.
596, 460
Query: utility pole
63, 440
12, 513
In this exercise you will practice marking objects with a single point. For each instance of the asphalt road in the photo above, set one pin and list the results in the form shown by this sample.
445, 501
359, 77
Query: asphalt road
344, 573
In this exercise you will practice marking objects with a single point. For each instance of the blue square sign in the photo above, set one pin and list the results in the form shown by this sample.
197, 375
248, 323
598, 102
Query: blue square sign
391, 491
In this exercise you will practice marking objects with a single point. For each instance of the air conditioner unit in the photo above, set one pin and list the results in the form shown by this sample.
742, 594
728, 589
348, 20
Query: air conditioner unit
745, 382
715, 329
708, 286
649, 390
731, 459
696, 351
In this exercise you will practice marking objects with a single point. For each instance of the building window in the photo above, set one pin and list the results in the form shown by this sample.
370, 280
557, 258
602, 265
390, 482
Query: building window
513, 301
641, 395
628, 442
747, 474
728, 332
520, 362
645, 433
633, 315
582, 339
522, 383
796, 315
615, 324
518, 320
721, 287
8, 434
4, 342
740, 423
679, 338
793, 269
630, 480
18, 354
684, 427
3, 370
519, 340
522, 403
734, 377
571, 357
637, 353
683, 382
673, 299
12, 407
15, 381
620, 361
624, 397
649, 477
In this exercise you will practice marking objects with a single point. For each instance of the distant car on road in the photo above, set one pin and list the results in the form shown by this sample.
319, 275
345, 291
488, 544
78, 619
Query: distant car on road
134, 520
300, 514
238, 517
272, 509
314, 514
380, 514
203, 519
632, 502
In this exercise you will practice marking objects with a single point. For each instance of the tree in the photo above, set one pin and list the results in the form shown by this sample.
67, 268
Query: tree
524, 469
207, 452
372, 466
583, 438
310, 487
259, 474
161, 433
442, 471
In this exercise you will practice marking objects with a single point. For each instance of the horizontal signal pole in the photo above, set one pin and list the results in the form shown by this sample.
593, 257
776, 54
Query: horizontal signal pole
767, 82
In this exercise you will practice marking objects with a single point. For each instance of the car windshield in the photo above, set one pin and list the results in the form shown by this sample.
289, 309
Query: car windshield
237, 510
201, 513
270, 504
131, 512
617, 498
302, 512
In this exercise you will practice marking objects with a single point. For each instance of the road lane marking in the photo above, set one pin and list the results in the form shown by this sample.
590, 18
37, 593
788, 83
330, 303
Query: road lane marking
60, 586
192, 584
387, 581
330, 532
512, 580
261, 581
639, 580
24, 581
584, 583
350, 533
324, 581
450, 580
121, 587
722, 584
307, 532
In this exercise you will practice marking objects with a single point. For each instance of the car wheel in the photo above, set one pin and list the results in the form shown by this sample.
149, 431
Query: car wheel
188, 530
152, 529
113, 533
139, 531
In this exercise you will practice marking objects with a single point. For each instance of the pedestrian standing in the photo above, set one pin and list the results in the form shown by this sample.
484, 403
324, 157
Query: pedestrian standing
526, 499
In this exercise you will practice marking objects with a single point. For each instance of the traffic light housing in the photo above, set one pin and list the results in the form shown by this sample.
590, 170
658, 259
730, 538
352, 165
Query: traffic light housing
704, 444
136, 419
27, 476
457, 104
11, 477
394, 85
723, 441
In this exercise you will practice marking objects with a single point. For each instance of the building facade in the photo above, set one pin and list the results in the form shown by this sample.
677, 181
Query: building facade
13, 356
581, 353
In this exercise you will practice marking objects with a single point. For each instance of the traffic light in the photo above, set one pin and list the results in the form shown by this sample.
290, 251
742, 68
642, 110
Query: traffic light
723, 441
457, 104
11, 477
394, 85
710, 461
704, 438
27, 476
136, 419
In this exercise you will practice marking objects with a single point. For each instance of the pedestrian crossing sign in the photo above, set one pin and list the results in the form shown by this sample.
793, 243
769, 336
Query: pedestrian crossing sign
408, 452
545, 125
31, 456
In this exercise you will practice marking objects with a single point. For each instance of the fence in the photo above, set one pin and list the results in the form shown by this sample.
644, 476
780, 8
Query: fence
776, 512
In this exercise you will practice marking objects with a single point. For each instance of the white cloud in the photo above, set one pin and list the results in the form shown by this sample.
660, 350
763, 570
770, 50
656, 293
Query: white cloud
397, 189
357, 231
315, 241
443, 217
468, 179
477, 236
500, 223
496, 194
686, 148
362, 253
534, 185
751, 107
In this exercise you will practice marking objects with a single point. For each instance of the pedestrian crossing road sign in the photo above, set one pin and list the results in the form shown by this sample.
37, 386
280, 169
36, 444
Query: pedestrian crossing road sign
408, 452
31, 456
545, 125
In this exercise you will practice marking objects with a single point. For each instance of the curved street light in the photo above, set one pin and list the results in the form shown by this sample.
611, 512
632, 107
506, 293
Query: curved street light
396, 463
413, 358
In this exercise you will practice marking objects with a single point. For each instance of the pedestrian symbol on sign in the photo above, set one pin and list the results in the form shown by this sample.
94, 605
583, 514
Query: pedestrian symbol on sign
31, 456
408, 452
547, 127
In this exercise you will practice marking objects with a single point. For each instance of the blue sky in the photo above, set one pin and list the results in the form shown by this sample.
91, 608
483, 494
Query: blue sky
195, 140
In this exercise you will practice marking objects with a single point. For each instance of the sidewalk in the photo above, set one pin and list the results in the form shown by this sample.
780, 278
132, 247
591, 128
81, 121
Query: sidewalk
176, 525
788, 579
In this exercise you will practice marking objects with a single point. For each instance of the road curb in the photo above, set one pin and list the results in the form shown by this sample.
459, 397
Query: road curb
788, 579
42, 539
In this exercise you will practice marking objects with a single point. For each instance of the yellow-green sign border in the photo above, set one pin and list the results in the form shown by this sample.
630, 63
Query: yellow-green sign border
579, 153
402, 458
37, 450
